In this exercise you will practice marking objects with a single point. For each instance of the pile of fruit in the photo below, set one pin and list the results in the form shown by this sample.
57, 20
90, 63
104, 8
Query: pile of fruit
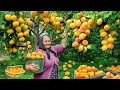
109, 75
113, 68
35, 55
84, 71
14, 71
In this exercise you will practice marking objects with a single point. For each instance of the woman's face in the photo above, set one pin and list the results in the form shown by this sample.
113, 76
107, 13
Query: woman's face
46, 41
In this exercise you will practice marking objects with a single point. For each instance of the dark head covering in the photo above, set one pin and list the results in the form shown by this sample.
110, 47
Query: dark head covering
41, 46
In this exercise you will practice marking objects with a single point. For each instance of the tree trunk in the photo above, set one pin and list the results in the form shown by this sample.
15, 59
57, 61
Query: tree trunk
36, 29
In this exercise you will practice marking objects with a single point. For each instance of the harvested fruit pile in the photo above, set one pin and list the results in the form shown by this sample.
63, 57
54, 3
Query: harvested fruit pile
35, 55
14, 71
84, 71
113, 68
109, 75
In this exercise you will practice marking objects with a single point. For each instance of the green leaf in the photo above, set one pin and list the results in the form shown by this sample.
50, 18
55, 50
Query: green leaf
92, 17
8, 25
107, 15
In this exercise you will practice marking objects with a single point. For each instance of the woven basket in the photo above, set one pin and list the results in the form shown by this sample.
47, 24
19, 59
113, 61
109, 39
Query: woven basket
14, 75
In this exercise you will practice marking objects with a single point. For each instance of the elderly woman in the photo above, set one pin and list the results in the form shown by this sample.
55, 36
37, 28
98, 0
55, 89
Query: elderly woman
51, 61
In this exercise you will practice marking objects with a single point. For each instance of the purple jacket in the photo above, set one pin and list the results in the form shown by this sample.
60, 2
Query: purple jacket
48, 64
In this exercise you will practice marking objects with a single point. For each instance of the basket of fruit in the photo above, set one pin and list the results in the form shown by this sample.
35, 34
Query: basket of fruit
88, 72
110, 75
36, 58
113, 69
14, 71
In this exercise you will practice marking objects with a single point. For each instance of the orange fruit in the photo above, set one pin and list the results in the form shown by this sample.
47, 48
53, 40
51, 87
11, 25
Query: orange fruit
107, 27
15, 23
104, 47
99, 21
67, 73
11, 42
72, 25
78, 23
29, 46
110, 40
3, 27
83, 19
66, 77
18, 29
14, 18
74, 44
80, 48
28, 42
34, 13
38, 56
20, 34
14, 50
85, 24
64, 69
22, 25
82, 36
69, 22
25, 27
69, 66
20, 20
45, 13
21, 39
10, 31
33, 57
100, 65
87, 32
26, 33
110, 45
8, 17
77, 33
90, 22
104, 42
85, 42
30, 23
103, 34
46, 20
64, 66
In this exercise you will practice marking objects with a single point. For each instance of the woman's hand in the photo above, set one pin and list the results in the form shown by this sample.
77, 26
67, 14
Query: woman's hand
32, 67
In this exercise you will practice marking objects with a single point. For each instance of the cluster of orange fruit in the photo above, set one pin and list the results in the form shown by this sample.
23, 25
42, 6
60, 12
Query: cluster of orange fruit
108, 39
18, 29
15, 70
111, 76
84, 71
114, 68
35, 55
52, 18
81, 29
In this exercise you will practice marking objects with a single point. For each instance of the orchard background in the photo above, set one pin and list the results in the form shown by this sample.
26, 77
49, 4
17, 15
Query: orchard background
92, 38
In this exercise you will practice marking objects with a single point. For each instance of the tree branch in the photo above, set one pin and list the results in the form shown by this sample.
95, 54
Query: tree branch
42, 31
34, 32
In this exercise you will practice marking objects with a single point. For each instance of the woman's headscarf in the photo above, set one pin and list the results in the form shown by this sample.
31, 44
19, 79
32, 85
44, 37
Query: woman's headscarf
41, 46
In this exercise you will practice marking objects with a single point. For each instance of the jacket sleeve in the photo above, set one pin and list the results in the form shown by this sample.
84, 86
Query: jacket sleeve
59, 48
